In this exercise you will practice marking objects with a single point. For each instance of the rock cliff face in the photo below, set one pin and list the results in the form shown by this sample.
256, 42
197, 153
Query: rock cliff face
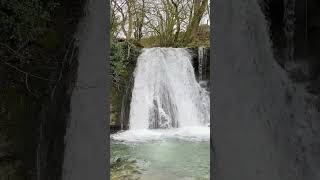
265, 113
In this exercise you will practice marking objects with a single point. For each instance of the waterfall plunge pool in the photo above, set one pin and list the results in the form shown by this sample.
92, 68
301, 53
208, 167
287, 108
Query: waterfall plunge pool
161, 154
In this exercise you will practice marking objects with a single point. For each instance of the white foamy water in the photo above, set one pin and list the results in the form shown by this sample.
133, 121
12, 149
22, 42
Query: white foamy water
166, 93
199, 133
167, 101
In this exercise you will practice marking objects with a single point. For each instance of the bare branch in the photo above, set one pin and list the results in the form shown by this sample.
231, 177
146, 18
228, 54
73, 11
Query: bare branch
27, 86
24, 72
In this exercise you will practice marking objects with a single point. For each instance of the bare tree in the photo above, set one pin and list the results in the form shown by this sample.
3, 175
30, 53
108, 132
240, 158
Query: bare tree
165, 19
130, 11
199, 8
140, 13
120, 8
171, 21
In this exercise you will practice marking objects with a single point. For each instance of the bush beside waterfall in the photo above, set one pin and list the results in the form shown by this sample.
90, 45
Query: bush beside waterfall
123, 57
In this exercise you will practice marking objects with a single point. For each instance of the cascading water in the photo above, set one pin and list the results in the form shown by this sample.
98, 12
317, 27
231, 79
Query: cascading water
167, 101
200, 54
166, 93
203, 68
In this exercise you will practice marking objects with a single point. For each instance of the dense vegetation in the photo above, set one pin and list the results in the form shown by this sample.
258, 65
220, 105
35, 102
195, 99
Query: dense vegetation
23, 78
34, 49
122, 61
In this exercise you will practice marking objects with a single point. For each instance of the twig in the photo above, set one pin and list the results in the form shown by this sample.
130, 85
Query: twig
72, 55
15, 53
24, 72
8, 47
62, 68
27, 85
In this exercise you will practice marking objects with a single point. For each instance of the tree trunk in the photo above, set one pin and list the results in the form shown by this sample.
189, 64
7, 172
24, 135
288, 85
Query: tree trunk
199, 9
176, 14
130, 18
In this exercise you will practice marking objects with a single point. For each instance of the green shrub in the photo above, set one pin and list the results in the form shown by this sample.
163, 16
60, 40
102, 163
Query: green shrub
122, 58
24, 20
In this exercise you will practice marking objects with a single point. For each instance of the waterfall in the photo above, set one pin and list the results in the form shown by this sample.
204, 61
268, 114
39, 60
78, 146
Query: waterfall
200, 57
289, 22
166, 93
